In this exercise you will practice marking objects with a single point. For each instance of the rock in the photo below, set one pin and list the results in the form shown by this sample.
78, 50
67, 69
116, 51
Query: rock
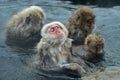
110, 73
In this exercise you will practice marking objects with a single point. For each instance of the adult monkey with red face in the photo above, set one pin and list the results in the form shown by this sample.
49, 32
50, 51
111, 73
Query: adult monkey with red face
54, 44
81, 24
54, 50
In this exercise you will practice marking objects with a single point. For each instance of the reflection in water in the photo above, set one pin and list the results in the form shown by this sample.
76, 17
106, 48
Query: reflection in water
12, 58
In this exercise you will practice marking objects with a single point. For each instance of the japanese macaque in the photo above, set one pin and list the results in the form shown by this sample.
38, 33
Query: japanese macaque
81, 24
25, 24
92, 48
53, 50
54, 45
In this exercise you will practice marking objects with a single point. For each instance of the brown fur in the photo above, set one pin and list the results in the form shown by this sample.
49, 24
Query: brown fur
77, 25
92, 40
88, 50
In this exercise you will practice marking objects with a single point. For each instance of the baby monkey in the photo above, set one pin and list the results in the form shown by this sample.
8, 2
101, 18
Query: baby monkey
92, 49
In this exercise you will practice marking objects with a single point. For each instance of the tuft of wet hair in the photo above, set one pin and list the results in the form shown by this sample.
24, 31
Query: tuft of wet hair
94, 37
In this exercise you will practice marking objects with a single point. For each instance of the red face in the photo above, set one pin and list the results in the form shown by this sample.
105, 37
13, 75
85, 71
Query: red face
99, 48
91, 23
56, 30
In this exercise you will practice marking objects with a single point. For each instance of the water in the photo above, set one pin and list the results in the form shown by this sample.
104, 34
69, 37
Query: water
12, 66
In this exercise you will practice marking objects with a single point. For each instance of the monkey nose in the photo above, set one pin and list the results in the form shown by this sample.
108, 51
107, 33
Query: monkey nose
58, 31
59, 34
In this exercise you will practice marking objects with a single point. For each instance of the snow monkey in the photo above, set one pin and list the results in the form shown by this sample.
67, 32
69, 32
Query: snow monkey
92, 49
81, 23
25, 25
53, 50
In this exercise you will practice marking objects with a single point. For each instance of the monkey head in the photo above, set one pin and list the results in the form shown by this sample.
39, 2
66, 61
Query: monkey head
85, 18
34, 16
94, 43
89, 17
26, 22
81, 24
54, 31
24, 27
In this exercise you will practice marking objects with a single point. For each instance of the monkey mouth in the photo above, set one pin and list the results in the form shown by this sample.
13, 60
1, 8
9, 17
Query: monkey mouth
92, 25
100, 51
60, 36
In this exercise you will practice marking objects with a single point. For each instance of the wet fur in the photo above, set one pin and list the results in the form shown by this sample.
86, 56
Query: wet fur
88, 51
56, 53
53, 50
25, 23
53, 55
77, 25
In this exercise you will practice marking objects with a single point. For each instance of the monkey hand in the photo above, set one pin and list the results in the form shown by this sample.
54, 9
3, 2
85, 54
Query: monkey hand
71, 66
74, 67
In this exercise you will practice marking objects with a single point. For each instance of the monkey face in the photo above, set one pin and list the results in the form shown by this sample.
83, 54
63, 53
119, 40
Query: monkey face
96, 47
91, 22
88, 20
54, 31
99, 48
88, 17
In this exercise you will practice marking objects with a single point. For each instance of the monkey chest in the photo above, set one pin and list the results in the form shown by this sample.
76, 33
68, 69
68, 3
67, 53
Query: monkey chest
59, 56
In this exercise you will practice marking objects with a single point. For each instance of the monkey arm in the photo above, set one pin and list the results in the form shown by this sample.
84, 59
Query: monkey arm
78, 37
79, 51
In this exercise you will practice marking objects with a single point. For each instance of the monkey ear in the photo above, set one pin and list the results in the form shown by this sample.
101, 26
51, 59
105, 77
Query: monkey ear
28, 19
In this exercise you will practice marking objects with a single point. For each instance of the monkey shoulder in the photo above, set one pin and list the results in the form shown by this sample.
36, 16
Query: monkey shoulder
78, 37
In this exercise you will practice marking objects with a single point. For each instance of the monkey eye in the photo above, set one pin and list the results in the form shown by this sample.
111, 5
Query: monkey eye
99, 45
52, 29
90, 20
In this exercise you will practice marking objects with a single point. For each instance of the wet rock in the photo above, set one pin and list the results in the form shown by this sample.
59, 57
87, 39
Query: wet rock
110, 73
